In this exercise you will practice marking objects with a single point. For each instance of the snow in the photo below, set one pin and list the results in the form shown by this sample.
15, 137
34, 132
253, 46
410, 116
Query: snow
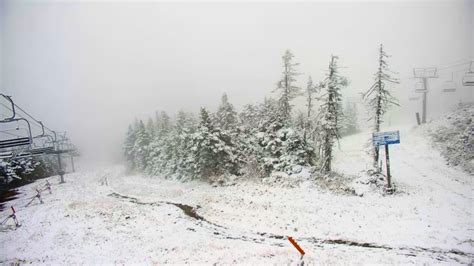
453, 135
429, 219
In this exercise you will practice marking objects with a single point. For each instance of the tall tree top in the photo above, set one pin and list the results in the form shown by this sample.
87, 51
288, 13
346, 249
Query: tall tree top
286, 87
226, 115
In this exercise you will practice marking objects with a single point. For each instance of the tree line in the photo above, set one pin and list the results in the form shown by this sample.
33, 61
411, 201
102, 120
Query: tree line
262, 138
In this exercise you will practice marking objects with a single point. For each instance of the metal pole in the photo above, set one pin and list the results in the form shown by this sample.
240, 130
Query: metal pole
72, 164
425, 86
387, 163
418, 118
60, 172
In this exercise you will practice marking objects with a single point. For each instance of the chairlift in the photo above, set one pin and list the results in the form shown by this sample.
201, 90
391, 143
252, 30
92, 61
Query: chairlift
449, 85
43, 145
6, 155
22, 155
17, 142
42, 151
468, 79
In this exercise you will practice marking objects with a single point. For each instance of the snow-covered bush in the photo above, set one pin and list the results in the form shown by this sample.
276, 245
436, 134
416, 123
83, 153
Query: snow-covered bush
18, 168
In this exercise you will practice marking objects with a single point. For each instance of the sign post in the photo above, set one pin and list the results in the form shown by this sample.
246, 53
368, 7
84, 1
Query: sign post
387, 163
386, 138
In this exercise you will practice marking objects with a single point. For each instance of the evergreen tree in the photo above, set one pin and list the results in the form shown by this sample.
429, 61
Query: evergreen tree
150, 127
330, 112
249, 116
226, 115
182, 139
286, 87
128, 146
164, 123
140, 148
269, 116
213, 151
378, 98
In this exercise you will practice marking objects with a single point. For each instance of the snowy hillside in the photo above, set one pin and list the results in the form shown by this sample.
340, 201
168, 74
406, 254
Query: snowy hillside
453, 135
110, 217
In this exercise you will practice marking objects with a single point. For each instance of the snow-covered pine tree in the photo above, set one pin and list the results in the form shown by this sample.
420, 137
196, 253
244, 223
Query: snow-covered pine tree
269, 116
213, 151
184, 128
249, 116
330, 112
300, 123
286, 87
378, 97
150, 127
226, 116
128, 145
164, 123
140, 148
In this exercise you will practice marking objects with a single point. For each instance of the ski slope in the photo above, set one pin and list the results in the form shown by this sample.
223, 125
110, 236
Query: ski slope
139, 219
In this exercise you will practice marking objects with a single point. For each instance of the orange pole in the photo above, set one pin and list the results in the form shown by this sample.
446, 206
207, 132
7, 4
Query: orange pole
296, 245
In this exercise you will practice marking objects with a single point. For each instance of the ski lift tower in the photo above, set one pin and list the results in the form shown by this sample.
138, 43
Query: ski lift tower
424, 74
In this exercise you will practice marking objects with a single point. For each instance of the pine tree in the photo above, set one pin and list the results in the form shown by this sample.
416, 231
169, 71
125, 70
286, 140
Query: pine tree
164, 123
286, 87
128, 146
378, 97
330, 112
214, 153
226, 115
249, 116
150, 127
182, 139
269, 116
140, 148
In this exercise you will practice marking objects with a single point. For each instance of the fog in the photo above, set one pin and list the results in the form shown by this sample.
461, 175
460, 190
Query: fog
90, 68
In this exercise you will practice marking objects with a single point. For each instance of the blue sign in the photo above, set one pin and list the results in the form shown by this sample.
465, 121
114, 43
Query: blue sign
385, 138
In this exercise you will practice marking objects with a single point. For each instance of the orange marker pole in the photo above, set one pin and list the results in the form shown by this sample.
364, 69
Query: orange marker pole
296, 245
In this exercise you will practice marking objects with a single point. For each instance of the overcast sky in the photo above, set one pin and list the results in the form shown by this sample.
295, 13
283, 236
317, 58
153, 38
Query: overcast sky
91, 67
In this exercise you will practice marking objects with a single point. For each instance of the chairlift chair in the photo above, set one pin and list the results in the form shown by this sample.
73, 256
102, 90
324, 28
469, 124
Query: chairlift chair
43, 145
468, 79
419, 87
6, 155
449, 85
19, 142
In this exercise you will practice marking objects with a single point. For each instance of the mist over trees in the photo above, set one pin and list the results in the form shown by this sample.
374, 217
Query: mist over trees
262, 138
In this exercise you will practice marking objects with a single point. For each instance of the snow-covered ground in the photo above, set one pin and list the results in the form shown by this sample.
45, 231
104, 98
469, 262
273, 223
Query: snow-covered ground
138, 219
